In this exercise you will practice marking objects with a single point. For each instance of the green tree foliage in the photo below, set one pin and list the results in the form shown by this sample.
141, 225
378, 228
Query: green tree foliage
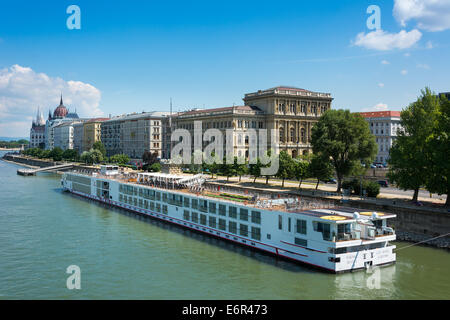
320, 168
255, 169
120, 159
228, 170
287, 167
70, 154
56, 154
240, 167
345, 139
408, 163
13, 144
437, 152
301, 169
156, 167
213, 167
98, 145
92, 156
150, 158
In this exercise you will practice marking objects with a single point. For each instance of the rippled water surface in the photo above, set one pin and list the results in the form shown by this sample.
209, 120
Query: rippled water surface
43, 231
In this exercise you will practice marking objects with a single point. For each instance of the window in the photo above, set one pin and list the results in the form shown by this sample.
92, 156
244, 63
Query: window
232, 212
152, 205
256, 233
301, 226
212, 222
158, 207
222, 209
186, 215
289, 224
212, 207
301, 242
243, 230
194, 203
243, 214
256, 217
164, 208
232, 227
280, 222
186, 202
222, 224
203, 219
194, 217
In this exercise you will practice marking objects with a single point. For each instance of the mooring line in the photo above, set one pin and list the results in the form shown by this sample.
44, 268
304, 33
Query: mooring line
443, 235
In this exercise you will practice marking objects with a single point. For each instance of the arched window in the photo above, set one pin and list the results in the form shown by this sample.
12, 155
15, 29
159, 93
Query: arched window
281, 134
294, 153
292, 134
303, 134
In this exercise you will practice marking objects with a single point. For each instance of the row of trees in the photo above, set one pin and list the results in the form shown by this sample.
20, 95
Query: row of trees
300, 168
13, 144
97, 154
420, 156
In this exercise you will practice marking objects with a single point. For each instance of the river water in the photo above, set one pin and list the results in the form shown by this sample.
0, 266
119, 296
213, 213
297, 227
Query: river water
44, 230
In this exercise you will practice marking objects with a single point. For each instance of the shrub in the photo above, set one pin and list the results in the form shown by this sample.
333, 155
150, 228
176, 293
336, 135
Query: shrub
372, 188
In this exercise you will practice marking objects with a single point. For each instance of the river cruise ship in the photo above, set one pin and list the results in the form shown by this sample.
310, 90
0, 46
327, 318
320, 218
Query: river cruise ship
336, 239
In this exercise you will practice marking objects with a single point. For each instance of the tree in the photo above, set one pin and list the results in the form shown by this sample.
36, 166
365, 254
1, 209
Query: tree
301, 169
240, 167
228, 170
287, 167
345, 139
96, 155
320, 168
69, 154
56, 154
214, 167
120, 159
98, 145
255, 169
408, 163
156, 167
437, 153
149, 157
85, 157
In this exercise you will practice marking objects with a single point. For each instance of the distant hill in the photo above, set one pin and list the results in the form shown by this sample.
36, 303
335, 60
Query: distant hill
13, 138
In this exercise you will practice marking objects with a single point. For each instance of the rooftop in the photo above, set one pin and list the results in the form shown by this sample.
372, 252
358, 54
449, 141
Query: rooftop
380, 114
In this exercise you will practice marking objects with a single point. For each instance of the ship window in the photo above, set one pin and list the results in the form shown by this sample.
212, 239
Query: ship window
222, 224
146, 204
280, 222
289, 224
232, 212
301, 226
222, 209
158, 196
186, 215
256, 233
268, 236
212, 207
164, 208
243, 214
243, 230
158, 207
152, 205
232, 227
256, 217
301, 242
212, 222
194, 203
186, 202
203, 219
164, 197
194, 217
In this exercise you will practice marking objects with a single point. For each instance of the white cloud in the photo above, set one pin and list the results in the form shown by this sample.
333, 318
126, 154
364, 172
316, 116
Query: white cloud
404, 72
407, 54
378, 107
22, 90
430, 15
384, 41
423, 66
429, 45
385, 62
381, 85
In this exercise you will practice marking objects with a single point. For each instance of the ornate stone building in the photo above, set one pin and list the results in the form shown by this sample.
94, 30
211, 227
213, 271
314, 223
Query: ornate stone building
291, 112
37, 131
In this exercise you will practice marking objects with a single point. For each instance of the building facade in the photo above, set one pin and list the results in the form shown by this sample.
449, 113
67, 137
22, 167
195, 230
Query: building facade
290, 112
385, 126
37, 132
133, 134
78, 130
92, 132
63, 135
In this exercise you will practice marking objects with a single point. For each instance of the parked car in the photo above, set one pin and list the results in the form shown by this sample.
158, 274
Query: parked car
331, 180
379, 165
373, 166
383, 183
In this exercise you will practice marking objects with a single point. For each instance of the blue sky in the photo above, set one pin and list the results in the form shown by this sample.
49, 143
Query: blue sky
131, 56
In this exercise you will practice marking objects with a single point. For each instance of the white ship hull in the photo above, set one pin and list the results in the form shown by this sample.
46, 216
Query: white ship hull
276, 232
